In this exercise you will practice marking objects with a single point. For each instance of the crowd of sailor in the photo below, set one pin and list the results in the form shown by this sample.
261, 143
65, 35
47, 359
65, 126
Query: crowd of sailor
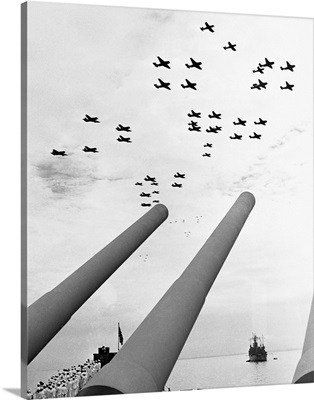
66, 383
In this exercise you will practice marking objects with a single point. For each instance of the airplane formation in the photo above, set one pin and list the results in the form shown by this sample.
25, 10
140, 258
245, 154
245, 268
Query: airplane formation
153, 182
269, 64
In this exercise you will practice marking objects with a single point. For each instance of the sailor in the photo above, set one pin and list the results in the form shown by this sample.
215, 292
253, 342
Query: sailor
29, 395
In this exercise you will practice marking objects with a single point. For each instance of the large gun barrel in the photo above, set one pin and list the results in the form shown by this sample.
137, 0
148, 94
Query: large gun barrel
146, 360
305, 369
52, 311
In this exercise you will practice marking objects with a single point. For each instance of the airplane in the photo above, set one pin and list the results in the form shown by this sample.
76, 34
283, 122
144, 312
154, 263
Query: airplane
288, 67
124, 139
194, 114
259, 69
165, 85
208, 145
206, 155
240, 122
145, 194
268, 64
123, 128
193, 123
194, 64
149, 179
189, 84
155, 192
91, 119
260, 85
208, 27
230, 46
239, 137
218, 128
58, 153
256, 136
288, 86
155, 201
154, 184
194, 128
260, 122
90, 149
178, 185
178, 175
145, 205
162, 63
214, 115
212, 129
138, 184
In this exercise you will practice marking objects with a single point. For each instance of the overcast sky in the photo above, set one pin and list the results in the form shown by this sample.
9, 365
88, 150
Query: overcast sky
97, 60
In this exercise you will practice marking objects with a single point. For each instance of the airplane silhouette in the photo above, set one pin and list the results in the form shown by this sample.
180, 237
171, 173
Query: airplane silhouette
255, 136
208, 145
162, 63
212, 129
218, 128
165, 85
124, 139
230, 46
208, 27
289, 67
193, 123
155, 201
214, 115
206, 155
138, 184
194, 114
155, 192
288, 86
154, 183
149, 179
189, 84
91, 119
123, 128
58, 153
194, 64
178, 175
90, 149
145, 194
268, 64
240, 122
145, 205
194, 128
260, 85
260, 122
259, 69
239, 137
178, 185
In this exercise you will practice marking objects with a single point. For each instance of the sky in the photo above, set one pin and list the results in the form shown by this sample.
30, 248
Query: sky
98, 60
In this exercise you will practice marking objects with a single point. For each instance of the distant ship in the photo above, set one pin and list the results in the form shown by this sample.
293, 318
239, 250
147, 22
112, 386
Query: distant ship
257, 351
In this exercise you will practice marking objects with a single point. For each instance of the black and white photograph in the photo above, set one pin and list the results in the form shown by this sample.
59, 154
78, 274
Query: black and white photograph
167, 200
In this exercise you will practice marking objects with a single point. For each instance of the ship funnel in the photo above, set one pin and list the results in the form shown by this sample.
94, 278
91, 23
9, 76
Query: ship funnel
305, 369
146, 360
52, 311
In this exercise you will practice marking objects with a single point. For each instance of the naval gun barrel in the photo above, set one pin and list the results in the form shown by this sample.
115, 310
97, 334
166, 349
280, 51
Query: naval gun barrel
305, 369
146, 360
53, 310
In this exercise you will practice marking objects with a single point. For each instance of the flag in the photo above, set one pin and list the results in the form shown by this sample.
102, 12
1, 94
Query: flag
120, 335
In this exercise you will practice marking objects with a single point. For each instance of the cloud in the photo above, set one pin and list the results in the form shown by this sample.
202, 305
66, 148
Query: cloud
66, 176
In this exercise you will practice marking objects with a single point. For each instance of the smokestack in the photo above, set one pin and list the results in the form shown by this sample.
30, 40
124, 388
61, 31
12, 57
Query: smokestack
52, 311
146, 360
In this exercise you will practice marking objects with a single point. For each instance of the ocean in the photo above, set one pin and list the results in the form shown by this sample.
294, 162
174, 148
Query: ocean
217, 372
233, 371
